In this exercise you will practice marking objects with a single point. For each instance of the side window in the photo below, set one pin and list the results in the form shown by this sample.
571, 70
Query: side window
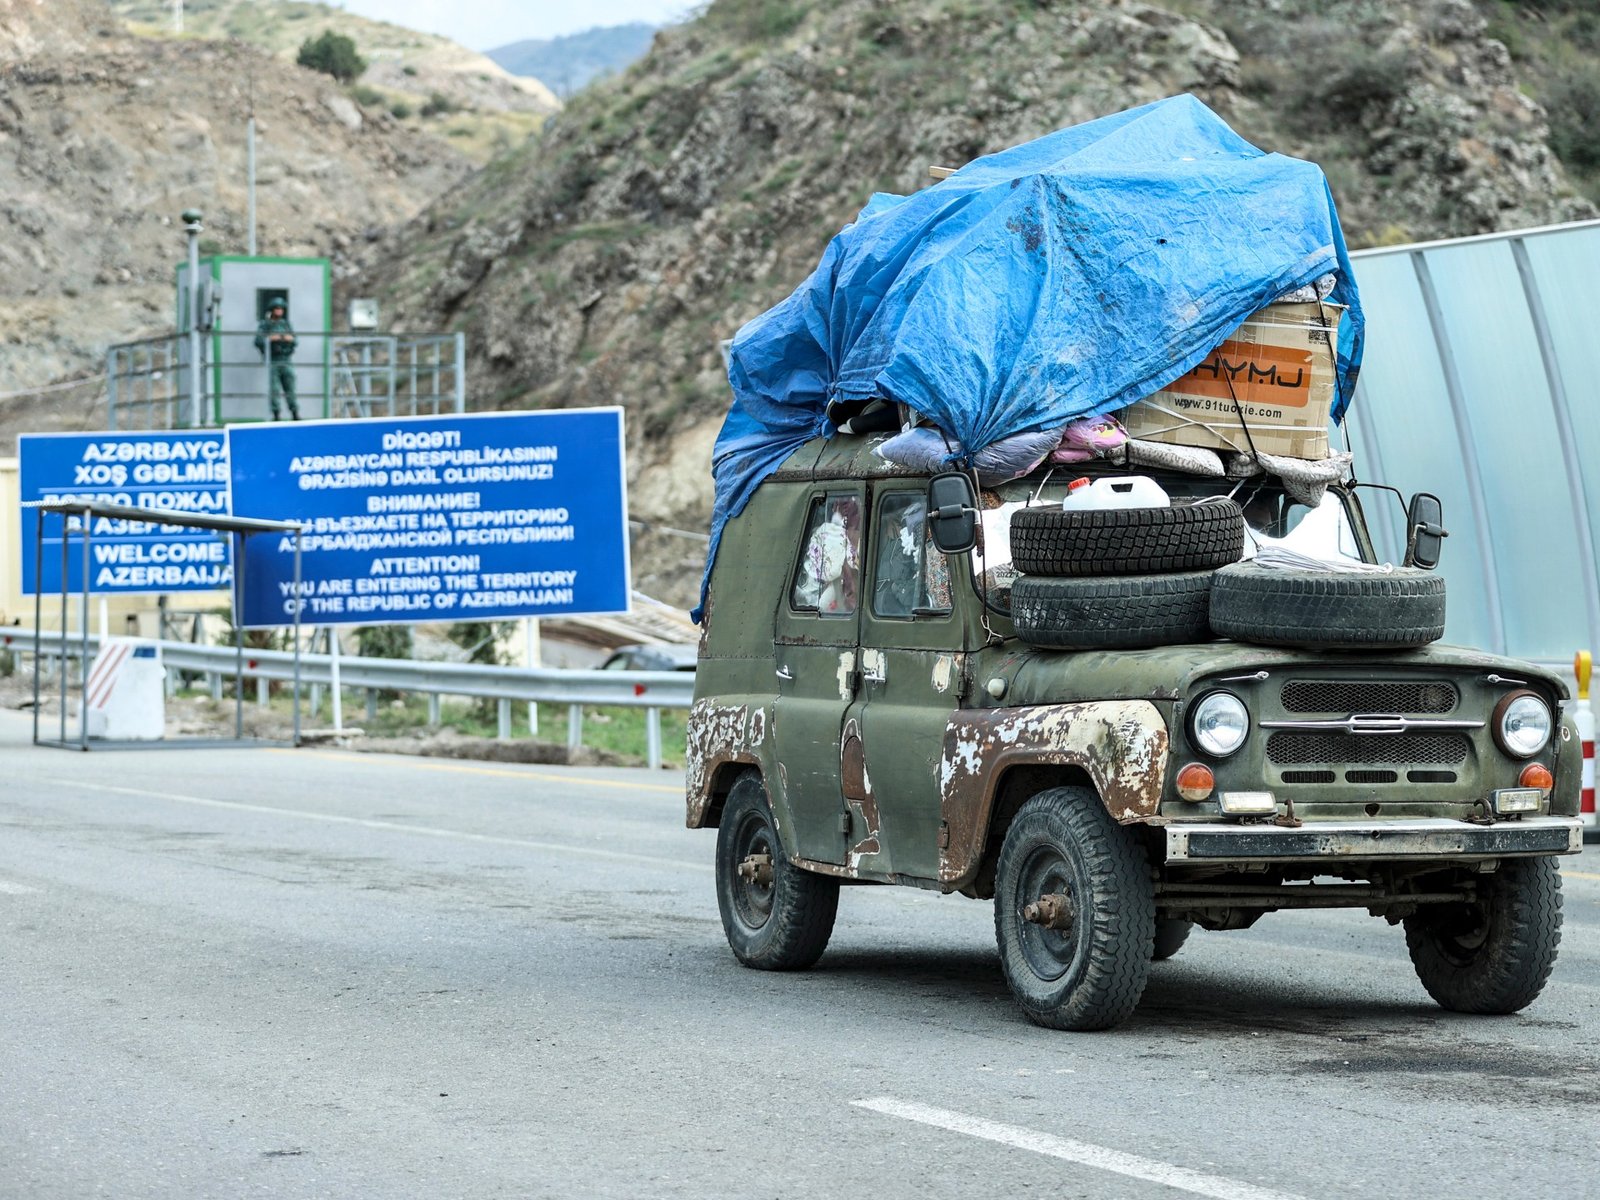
826, 579
910, 576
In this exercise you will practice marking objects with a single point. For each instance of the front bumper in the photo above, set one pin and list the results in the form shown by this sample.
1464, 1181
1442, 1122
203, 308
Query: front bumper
1439, 838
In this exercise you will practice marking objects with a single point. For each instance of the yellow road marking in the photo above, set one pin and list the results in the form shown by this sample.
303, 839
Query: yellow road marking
1581, 874
463, 769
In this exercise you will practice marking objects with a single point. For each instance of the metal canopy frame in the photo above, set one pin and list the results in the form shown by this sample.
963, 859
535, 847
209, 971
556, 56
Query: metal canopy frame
238, 528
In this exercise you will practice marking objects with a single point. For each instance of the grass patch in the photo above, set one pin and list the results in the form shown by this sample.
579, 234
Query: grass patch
619, 731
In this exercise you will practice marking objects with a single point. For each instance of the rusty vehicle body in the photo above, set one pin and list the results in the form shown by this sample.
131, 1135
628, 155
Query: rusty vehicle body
900, 747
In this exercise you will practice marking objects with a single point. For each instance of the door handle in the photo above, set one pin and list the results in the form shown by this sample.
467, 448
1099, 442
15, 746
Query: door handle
878, 676
784, 673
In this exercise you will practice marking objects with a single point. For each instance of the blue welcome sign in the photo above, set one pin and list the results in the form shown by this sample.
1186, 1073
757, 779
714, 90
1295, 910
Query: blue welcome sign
181, 472
455, 518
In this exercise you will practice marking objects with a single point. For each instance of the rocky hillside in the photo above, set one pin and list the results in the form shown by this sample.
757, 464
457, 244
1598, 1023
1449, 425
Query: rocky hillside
603, 262
426, 81
106, 138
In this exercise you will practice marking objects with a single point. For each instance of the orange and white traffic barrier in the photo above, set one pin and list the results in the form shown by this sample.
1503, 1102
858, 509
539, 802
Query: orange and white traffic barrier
1583, 717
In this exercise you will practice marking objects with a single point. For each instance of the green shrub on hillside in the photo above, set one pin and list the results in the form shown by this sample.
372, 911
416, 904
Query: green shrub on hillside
332, 54
437, 105
755, 20
1572, 99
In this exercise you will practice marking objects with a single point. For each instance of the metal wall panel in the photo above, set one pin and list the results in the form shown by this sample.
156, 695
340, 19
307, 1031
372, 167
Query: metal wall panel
1482, 384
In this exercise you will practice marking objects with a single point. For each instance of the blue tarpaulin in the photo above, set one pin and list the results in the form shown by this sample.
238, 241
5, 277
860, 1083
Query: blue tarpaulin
1071, 275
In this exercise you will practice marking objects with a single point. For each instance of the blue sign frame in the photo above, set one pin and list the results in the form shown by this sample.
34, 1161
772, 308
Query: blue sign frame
477, 517
178, 471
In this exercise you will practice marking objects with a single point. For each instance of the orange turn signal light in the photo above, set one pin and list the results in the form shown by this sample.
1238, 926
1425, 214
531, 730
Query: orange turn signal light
1537, 775
1195, 782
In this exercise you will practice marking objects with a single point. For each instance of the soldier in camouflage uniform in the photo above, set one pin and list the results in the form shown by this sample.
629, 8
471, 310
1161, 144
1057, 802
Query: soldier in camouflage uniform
275, 339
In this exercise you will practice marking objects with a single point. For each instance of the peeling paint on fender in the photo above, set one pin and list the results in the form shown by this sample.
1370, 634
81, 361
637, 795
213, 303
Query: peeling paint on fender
717, 734
865, 822
1122, 744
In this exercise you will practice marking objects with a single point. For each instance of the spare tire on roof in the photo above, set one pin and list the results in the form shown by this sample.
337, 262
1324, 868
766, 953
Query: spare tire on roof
1127, 541
1395, 610
1112, 614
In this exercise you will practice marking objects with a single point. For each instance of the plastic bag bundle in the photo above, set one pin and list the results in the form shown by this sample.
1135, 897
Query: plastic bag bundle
930, 451
1193, 460
1318, 289
1305, 481
1089, 437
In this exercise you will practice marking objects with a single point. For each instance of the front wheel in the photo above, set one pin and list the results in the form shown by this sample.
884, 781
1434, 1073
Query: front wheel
1491, 956
777, 916
1074, 912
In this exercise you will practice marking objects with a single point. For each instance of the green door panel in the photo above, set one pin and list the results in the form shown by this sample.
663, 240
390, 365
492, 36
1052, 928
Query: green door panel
911, 668
816, 632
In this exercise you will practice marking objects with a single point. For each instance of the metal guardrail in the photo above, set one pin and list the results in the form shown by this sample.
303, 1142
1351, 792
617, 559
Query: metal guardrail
376, 374
649, 690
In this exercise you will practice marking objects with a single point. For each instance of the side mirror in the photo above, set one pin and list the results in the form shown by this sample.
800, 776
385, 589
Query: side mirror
1424, 532
952, 512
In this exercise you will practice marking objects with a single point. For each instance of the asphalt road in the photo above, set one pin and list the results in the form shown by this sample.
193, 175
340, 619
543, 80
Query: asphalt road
273, 973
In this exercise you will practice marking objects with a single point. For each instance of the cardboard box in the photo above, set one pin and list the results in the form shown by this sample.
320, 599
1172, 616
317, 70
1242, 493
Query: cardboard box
1277, 369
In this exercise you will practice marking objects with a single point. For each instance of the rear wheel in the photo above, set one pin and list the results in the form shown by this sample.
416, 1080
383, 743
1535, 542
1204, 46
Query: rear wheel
777, 916
1074, 912
1493, 955
1171, 934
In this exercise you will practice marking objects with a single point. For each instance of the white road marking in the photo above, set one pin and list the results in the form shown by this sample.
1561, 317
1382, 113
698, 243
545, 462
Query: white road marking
16, 889
1084, 1153
393, 826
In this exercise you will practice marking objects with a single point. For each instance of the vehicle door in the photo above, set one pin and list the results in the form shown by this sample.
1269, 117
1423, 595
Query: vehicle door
815, 643
911, 669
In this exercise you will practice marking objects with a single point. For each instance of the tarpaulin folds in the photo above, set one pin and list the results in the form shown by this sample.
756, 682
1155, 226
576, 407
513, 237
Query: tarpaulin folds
1065, 277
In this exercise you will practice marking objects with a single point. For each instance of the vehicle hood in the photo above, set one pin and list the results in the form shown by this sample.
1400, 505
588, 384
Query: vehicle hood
1170, 672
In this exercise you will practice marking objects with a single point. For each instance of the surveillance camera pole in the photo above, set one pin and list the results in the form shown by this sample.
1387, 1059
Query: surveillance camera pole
192, 227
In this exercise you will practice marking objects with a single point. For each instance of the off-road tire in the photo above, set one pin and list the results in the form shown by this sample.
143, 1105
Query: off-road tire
786, 925
1127, 541
1112, 614
1332, 611
1171, 934
1091, 975
1492, 957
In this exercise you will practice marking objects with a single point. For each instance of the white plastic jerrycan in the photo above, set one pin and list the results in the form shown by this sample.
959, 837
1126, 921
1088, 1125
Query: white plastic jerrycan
1132, 491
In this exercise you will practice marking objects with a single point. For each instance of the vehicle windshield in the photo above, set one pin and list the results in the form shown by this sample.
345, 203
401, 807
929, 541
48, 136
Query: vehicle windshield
1272, 518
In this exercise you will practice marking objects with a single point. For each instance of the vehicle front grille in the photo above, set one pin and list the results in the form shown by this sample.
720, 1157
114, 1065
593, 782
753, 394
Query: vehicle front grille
1293, 747
1320, 776
1346, 696
1367, 775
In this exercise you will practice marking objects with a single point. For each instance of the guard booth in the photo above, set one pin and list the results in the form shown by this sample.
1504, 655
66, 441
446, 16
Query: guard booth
357, 371
235, 293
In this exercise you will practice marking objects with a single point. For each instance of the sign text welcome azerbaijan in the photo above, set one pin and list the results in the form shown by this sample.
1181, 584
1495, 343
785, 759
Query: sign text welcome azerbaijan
183, 472
456, 518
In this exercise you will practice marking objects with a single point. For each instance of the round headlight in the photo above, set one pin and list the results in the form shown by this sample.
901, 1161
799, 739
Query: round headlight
1522, 724
1218, 723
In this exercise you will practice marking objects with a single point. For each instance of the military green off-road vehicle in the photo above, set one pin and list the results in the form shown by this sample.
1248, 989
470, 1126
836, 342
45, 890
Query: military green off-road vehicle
866, 713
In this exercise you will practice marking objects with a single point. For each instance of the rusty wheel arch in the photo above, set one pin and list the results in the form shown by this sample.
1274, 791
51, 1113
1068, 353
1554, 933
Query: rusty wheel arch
722, 783
1017, 785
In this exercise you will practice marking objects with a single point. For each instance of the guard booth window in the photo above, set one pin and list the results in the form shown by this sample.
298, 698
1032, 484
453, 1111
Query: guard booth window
266, 297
